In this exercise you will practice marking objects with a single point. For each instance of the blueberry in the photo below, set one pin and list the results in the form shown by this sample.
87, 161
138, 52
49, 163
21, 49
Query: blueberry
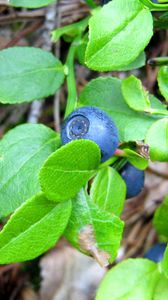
134, 179
156, 252
105, 1
91, 123
156, 1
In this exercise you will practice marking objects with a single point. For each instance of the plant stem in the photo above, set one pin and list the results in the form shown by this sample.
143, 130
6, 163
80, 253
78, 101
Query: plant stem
154, 7
158, 61
71, 82
108, 162
119, 164
72, 30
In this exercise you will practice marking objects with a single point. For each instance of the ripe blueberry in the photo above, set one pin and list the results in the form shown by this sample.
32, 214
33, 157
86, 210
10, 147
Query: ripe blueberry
156, 252
105, 1
134, 179
91, 123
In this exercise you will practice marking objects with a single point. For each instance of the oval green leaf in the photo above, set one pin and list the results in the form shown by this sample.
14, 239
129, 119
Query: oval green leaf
33, 229
163, 81
134, 94
164, 263
94, 231
68, 169
157, 139
160, 219
138, 277
161, 290
30, 3
23, 151
135, 64
106, 94
108, 191
115, 42
28, 73
136, 159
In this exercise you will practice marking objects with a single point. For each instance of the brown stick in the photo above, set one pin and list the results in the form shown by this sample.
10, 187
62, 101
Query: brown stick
23, 33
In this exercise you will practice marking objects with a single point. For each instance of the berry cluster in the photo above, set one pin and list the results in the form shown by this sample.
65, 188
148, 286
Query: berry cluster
91, 123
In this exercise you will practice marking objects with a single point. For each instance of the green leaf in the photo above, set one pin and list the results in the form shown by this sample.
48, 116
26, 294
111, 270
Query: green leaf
140, 100
30, 3
115, 42
156, 103
157, 139
160, 220
105, 93
136, 64
161, 290
164, 263
80, 51
94, 231
136, 159
163, 81
23, 151
33, 229
108, 191
91, 3
161, 22
28, 73
129, 280
134, 94
68, 169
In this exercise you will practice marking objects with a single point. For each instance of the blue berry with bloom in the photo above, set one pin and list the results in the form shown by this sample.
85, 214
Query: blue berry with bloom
91, 123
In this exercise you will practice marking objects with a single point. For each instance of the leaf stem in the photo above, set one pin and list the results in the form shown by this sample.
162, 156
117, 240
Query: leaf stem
108, 162
116, 162
158, 61
71, 82
120, 164
154, 7
157, 112
72, 30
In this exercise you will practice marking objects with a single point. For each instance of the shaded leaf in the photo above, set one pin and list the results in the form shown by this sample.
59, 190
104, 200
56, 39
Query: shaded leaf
108, 191
164, 263
32, 73
30, 3
23, 151
160, 220
33, 229
105, 93
157, 139
163, 81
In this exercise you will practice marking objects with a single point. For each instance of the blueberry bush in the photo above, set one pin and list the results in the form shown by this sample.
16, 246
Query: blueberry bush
75, 183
